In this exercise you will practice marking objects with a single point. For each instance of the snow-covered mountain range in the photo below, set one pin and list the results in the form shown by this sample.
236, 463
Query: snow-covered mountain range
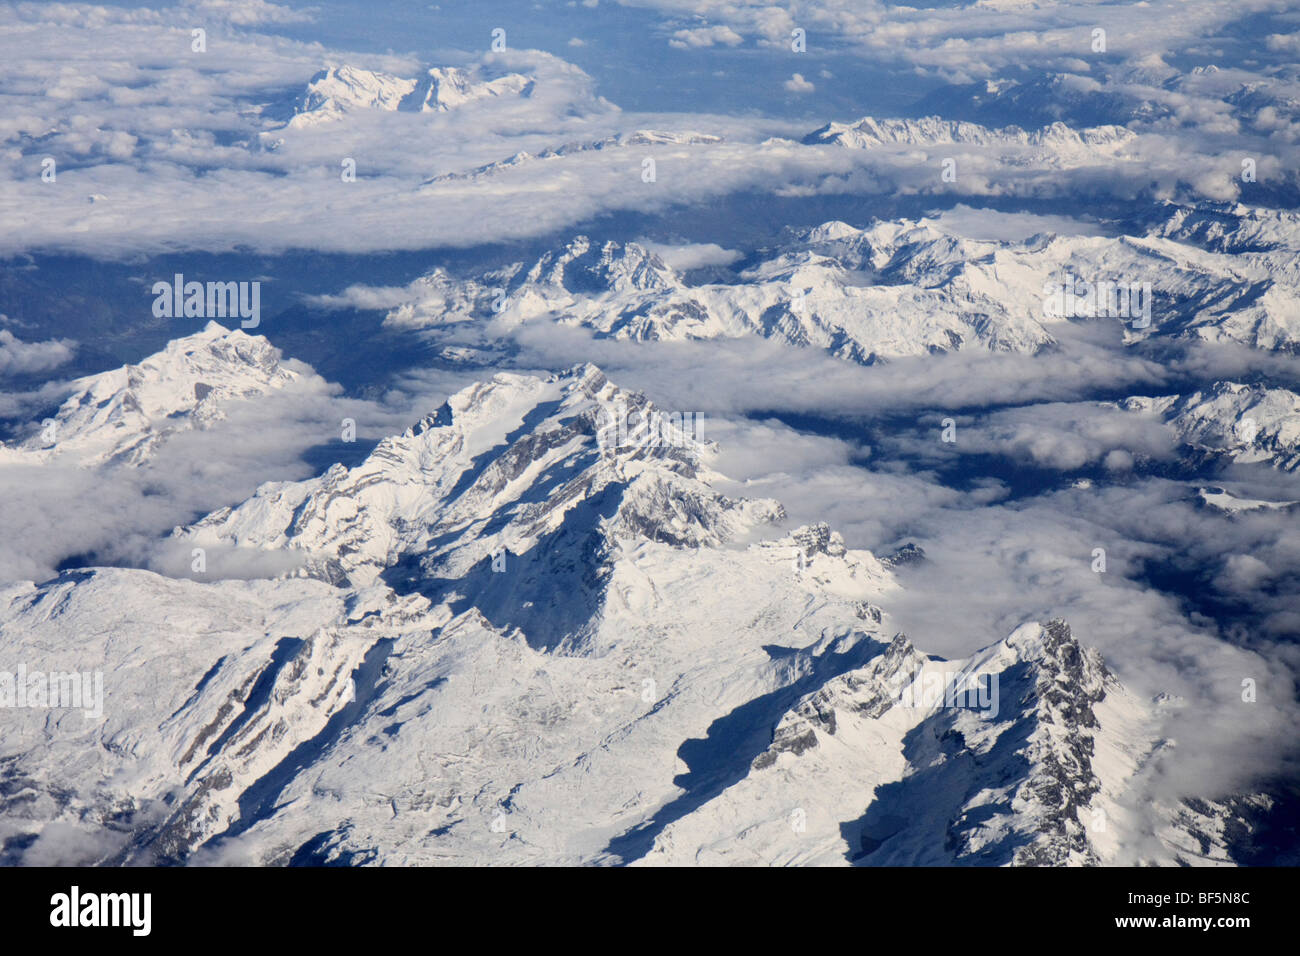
337, 91
982, 552
904, 288
1145, 94
1054, 146
640, 137
1246, 423
121, 416
531, 629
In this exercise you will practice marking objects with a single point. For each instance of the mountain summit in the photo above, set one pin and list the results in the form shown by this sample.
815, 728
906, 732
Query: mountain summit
531, 629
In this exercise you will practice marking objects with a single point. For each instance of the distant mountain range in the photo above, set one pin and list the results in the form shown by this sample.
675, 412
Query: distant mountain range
1215, 273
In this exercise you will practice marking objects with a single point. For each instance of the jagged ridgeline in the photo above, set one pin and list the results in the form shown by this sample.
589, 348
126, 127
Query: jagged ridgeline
530, 628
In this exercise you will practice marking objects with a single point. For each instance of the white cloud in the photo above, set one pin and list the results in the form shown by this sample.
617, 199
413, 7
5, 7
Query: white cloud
797, 84
366, 297
248, 12
58, 510
175, 143
695, 255
171, 142
20, 358
975, 223
706, 37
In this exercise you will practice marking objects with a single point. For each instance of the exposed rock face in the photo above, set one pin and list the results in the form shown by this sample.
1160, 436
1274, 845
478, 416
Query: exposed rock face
515, 623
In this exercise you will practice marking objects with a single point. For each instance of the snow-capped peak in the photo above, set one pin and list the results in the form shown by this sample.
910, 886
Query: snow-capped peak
868, 133
120, 416
343, 88
340, 90
448, 88
609, 267
536, 593
1018, 755
1246, 423
507, 465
